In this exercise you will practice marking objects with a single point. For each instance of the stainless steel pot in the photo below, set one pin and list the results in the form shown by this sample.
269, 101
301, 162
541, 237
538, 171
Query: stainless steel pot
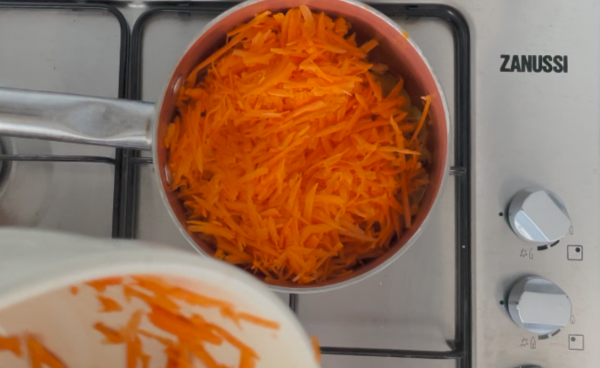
141, 125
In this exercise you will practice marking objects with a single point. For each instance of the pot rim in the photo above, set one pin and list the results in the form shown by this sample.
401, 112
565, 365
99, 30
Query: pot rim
330, 284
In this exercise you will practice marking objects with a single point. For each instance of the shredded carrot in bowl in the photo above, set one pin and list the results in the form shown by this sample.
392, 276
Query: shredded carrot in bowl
184, 333
294, 155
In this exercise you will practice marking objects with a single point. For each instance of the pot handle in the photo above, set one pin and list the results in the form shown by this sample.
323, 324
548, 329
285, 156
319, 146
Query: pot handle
76, 119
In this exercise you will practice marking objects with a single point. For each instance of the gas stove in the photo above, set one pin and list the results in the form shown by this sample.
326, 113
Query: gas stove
506, 274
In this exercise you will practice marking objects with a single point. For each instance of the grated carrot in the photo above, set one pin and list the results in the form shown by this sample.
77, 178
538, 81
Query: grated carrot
290, 154
108, 304
191, 332
40, 356
112, 336
257, 320
316, 347
11, 343
101, 284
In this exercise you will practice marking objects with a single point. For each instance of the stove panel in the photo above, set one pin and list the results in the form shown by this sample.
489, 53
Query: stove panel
536, 130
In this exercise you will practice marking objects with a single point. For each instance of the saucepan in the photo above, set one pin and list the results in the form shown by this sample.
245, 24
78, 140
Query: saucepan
142, 125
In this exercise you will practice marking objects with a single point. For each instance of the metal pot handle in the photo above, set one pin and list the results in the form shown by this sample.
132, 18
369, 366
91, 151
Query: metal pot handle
76, 119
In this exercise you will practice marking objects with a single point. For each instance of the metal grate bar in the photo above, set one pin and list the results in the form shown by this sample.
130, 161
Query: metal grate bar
58, 158
393, 353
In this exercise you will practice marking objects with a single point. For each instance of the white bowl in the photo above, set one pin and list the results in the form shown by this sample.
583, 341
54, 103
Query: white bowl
38, 267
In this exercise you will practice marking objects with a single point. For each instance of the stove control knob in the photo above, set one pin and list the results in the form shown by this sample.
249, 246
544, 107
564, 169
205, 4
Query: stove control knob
538, 305
539, 216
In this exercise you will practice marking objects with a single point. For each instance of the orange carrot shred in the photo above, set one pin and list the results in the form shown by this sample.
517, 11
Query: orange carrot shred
40, 356
112, 336
101, 284
162, 301
203, 355
316, 347
109, 305
74, 290
181, 326
257, 320
425, 110
161, 339
405, 203
11, 343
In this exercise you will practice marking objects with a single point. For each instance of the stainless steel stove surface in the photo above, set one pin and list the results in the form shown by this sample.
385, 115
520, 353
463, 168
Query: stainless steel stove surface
536, 130
529, 130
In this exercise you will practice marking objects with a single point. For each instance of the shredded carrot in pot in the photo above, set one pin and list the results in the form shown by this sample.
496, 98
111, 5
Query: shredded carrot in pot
293, 154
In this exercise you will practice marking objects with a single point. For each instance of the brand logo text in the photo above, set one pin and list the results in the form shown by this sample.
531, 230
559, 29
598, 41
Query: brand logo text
534, 63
